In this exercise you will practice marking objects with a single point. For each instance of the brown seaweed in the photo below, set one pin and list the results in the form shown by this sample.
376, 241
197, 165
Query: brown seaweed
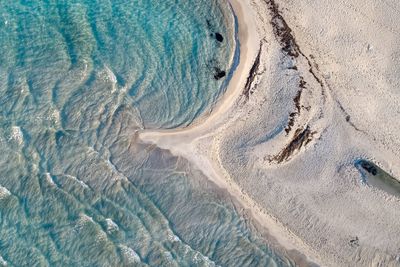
252, 74
301, 138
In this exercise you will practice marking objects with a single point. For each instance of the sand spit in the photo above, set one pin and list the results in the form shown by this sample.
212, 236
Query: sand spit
313, 93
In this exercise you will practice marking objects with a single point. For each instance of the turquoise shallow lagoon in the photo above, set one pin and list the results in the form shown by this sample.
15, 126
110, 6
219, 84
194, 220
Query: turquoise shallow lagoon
77, 188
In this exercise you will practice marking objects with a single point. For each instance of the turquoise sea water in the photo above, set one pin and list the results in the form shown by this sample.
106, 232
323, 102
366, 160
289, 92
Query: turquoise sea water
77, 188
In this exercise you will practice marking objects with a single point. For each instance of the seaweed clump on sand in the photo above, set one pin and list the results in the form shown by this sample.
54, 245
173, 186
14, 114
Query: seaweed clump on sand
301, 138
252, 74
283, 32
296, 100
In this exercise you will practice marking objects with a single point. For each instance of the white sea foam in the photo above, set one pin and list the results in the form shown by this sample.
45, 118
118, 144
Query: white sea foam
83, 184
17, 135
109, 76
200, 258
49, 179
168, 256
55, 116
111, 225
100, 237
129, 254
84, 219
197, 258
4, 192
3, 261
172, 237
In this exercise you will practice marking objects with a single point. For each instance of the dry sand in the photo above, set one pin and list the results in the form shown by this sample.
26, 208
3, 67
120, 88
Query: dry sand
328, 80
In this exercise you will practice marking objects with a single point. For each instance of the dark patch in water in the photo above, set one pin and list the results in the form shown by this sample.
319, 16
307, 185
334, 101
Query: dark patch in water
47, 226
59, 135
252, 74
218, 74
219, 37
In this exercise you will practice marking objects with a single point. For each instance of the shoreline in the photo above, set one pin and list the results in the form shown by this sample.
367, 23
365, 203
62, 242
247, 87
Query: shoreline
184, 141
249, 43
248, 38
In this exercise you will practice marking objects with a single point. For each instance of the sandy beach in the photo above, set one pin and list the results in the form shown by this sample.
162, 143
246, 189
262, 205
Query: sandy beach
283, 138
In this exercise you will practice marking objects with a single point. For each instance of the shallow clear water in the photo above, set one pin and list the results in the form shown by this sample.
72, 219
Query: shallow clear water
77, 188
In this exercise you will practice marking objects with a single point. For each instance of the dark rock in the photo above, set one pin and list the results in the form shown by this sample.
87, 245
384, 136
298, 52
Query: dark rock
252, 73
219, 37
369, 168
208, 23
219, 73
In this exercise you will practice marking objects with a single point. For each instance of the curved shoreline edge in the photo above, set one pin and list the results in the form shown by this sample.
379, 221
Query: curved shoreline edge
183, 141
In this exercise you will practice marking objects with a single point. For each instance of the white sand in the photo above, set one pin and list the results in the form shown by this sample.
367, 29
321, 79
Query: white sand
314, 201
